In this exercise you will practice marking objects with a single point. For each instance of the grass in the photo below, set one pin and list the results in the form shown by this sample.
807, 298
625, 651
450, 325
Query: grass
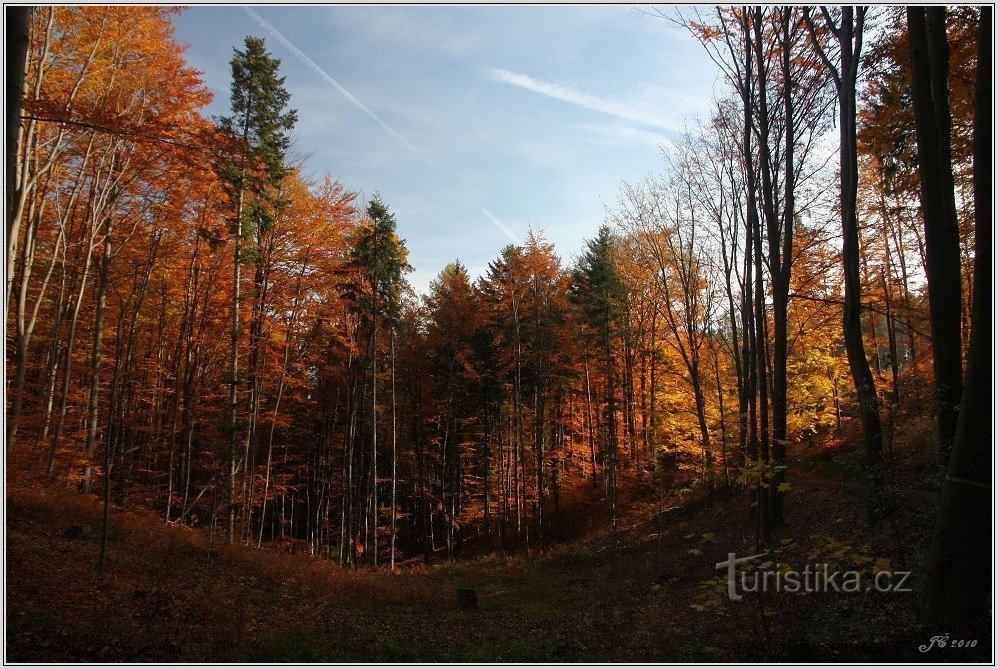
601, 598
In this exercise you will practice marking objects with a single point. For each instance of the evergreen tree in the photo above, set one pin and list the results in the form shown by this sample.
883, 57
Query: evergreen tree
598, 289
380, 260
251, 174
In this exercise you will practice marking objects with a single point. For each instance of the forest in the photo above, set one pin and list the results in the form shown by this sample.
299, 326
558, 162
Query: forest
209, 350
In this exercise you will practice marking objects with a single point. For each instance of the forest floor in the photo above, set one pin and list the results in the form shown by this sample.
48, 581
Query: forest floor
635, 595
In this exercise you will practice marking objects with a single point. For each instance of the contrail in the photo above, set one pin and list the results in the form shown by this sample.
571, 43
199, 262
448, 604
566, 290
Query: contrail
311, 64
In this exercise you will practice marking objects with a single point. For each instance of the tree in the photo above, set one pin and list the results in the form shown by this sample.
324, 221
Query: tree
599, 290
731, 41
930, 94
798, 118
847, 35
18, 21
960, 574
380, 259
663, 220
259, 125
450, 334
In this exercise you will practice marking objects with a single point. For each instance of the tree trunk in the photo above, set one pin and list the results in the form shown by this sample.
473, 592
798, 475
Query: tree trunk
960, 576
234, 372
92, 406
374, 434
930, 70
18, 23
781, 264
850, 39
391, 545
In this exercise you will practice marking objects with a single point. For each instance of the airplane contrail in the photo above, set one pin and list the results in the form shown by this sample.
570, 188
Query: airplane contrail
311, 64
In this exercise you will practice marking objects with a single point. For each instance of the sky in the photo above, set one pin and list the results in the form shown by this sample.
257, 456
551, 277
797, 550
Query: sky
476, 123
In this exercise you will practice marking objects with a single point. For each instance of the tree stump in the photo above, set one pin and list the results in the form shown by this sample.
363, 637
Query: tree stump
77, 532
467, 598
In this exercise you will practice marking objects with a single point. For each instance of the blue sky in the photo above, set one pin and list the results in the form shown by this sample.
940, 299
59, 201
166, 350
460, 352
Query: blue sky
533, 115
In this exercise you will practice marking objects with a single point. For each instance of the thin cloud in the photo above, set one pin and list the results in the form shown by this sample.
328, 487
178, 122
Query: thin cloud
635, 111
432, 31
311, 64
622, 136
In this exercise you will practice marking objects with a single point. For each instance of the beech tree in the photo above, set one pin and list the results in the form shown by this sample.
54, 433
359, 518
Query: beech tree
930, 95
846, 33
960, 568
18, 20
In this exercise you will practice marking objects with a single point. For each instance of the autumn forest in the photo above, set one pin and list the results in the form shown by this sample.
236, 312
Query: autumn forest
224, 394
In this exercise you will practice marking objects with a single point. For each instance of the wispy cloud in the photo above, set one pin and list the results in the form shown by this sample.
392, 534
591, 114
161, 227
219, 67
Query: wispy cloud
432, 31
637, 111
626, 137
311, 64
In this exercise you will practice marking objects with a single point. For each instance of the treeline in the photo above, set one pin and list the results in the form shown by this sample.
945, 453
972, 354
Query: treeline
196, 327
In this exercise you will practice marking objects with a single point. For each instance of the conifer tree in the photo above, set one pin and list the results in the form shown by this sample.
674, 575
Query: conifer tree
599, 290
380, 259
259, 126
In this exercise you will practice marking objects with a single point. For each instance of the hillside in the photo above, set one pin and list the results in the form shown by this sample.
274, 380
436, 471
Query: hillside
633, 596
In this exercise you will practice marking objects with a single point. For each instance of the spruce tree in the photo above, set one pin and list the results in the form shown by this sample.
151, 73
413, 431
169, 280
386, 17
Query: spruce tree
380, 259
259, 128
598, 289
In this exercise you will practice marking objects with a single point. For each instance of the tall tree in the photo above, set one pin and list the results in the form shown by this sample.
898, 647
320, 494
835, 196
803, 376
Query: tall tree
18, 20
847, 35
930, 97
260, 125
451, 330
380, 258
599, 290
961, 576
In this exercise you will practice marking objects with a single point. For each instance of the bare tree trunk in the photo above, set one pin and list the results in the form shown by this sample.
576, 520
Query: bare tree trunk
589, 422
612, 432
237, 241
257, 355
960, 576
18, 24
374, 436
237, 235
849, 35
25, 324
486, 467
930, 96
92, 407
755, 324
723, 417
539, 432
781, 266
395, 468
652, 388
70, 343
273, 423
